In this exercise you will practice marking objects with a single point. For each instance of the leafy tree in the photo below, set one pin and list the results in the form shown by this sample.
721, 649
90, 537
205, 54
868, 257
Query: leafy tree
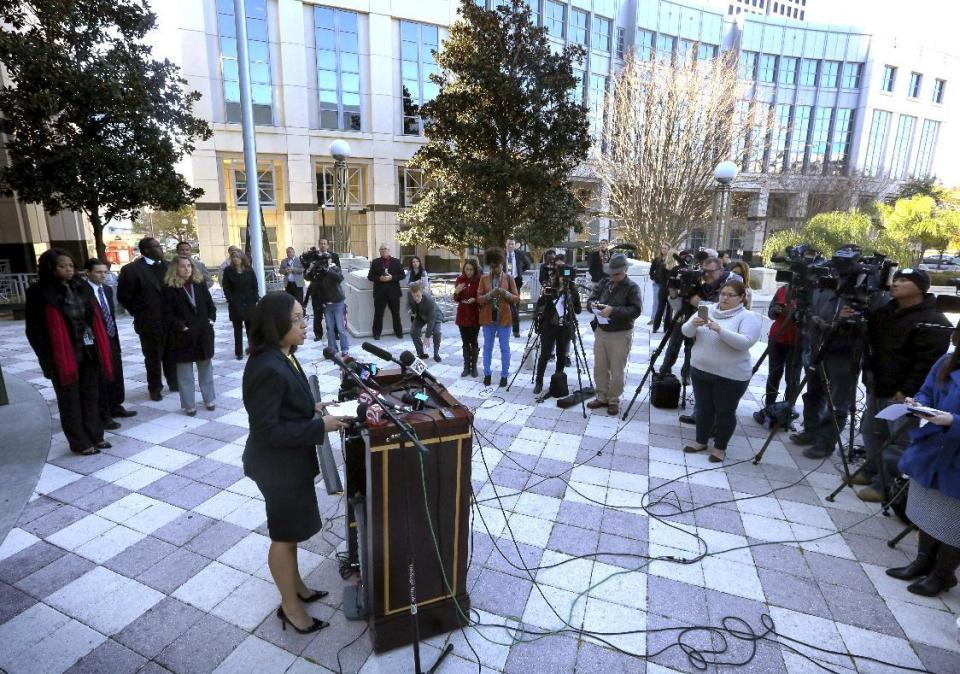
93, 123
166, 225
918, 187
504, 135
918, 221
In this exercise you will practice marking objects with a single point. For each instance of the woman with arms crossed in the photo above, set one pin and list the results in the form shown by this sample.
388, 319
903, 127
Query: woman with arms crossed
280, 454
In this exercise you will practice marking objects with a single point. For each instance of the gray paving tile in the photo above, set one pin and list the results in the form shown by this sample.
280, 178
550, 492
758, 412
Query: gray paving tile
779, 557
55, 575
509, 477
183, 529
793, 592
38, 507
719, 519
625, 524
594, 659
862, 609
506, 558
77, 489
140, 556
101, 498
29, 560
837, 571
159, 627
553, 654
56, 520
217, 539
676, 600
669, 640
193, 443
219, 431
572, 540
202, 647
866, 548
173, 570
937, 659
85, 464
582, 515
289, 640
13, 602
108, 657
620, 551
501, 593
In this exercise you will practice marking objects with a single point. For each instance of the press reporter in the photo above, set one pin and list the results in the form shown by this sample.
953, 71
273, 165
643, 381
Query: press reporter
496, 294
468, 315
280, 454
783, 343
720, 366
933, 500
618, 300
901, 354
556, 323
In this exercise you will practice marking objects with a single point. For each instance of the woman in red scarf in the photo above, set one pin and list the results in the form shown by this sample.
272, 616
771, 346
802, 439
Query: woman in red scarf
67, 332
468, 315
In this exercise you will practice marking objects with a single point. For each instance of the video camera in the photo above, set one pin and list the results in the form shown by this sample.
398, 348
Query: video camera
687, 276
315, 264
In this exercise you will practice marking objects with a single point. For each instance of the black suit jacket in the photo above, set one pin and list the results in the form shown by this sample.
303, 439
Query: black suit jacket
284, 430
140, 291
523, 264
377, 269
196, 343
112, 304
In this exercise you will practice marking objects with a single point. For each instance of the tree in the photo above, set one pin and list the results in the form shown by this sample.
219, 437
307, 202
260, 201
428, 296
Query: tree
165, 225
918, 221
92, 122
503, 136
668, 126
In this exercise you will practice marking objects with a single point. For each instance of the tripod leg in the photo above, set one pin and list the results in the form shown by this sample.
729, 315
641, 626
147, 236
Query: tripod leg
526, 354
903, 534
667, 335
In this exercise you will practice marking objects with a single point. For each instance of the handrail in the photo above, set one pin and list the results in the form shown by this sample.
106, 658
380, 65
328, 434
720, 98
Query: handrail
13, 287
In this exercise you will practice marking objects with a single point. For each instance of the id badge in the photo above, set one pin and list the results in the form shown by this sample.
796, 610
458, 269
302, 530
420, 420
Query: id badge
87, 339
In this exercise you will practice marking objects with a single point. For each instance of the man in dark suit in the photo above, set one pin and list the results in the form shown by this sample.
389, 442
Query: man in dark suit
112, 394
140, 291
385, 274
598, 258
314, 261
515, 263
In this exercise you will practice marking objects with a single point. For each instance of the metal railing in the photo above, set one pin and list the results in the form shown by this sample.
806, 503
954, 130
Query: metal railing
13, 287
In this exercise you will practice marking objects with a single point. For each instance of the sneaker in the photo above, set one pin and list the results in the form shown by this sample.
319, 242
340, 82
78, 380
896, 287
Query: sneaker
870, 495
817, 452
802, 438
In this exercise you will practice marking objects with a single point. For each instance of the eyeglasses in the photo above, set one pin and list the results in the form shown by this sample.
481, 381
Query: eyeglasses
729, 295
299, 318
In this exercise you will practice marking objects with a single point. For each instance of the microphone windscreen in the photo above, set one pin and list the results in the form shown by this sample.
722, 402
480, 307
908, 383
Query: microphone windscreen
407, 358
376, 351
329, 353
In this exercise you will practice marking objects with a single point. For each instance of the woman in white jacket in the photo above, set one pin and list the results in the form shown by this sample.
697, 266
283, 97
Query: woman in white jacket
720, 366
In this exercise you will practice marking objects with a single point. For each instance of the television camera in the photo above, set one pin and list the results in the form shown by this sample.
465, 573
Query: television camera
315, 264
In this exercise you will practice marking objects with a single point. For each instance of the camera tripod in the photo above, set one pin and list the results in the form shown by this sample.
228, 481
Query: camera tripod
533, 344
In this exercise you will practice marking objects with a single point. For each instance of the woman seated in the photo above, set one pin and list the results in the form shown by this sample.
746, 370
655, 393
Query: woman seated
720, 366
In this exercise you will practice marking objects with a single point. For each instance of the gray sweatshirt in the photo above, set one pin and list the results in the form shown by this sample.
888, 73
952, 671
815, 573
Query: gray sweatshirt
725, 353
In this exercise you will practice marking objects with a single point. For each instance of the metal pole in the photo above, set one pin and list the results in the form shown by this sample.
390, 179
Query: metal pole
340, 205
254, 226
722, 222
714, 219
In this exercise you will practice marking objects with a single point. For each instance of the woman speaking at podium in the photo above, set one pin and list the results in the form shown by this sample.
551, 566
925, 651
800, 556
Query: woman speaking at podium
280, 454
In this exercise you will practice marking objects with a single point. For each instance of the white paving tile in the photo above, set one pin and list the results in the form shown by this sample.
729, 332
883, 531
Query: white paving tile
255, 656
221, 505
55, 652
889, 649
249, 604
104, 600
163, 458
16, 540
211, 586
82, 531
110, 543
140, 478
248, 555
23, 632
926, 625
53, 477
606, 619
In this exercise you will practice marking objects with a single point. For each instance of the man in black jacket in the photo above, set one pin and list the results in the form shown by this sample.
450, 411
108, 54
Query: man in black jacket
385, 274
659, 275
140, 291
314, 262
516, 263
598, 258
904, 345
616, 302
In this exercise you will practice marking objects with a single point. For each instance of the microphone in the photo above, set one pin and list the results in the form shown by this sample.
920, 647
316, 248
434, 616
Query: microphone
374, 414
382, 354
331, 354
419, 368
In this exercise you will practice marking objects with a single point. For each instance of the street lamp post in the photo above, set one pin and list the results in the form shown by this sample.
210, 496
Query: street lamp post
340, 151
724, 174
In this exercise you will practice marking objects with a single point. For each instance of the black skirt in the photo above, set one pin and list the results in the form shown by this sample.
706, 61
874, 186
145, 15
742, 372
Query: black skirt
293, 514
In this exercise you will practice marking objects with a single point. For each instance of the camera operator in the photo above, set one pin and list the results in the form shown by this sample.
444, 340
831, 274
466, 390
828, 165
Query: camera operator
556, 321
598, 259
902, 351
315, 263
783, 344
618, 300
546, 269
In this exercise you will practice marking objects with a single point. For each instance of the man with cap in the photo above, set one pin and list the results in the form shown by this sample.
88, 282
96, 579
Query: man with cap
904, 345
617, 303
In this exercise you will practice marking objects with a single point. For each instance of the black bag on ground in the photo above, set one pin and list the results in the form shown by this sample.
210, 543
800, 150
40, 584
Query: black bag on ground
558, 386
665, 392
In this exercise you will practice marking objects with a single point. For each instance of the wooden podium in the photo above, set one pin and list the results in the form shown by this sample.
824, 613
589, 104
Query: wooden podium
376, 476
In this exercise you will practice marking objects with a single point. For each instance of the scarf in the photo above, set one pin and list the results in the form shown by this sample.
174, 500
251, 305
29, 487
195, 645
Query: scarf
717, 312
61, 346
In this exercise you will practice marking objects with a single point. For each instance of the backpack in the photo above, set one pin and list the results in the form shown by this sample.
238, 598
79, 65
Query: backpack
665, 392
558, 386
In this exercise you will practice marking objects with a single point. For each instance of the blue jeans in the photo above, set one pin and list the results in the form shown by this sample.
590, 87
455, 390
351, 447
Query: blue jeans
501, 332
334, 313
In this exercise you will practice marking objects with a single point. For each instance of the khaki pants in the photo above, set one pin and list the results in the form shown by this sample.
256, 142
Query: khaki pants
610, 353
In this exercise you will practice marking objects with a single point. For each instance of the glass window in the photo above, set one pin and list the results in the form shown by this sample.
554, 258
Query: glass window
644, 45
747, 65
758, 138
686, 50
889, 78
264, 183
338, 68
698, 239
938, 87
621, 42
788, 70
597, 97
600, 33
778, 138
259, 55
819, 139
326, 185
928, 145
411, 183
900, 165
840, 143
767, 71
851, 75
808, 72
418, 42
664, 47
741, 132
829, 74
915, 80
706, 52
876, 142
798, 137
578, 26
554, 18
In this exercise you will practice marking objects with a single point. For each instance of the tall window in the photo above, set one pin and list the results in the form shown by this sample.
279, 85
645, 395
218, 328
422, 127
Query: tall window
829, 74
258, 48
597, 94
840, 142
748, 65
876, 142
417, 41
851, 75
600, 30
698, 239
411, 184
741, 131
326, 184
808, 72
899, 166
778, 138
265, 187
928, 145
338, 68
578, 26
622, 42
788, 70
915, 81
819, 139
665, 47
938, 87
798, 137
706, 52
644, 45
758, 139
768, 68
554, 18
889, 78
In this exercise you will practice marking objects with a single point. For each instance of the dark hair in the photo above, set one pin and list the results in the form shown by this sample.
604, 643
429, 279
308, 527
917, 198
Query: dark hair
737, 287
953, 362
271, 321
420, 269
476, 268
93, 262
47, 264
144, 242
493, 256
185, 243
548, 254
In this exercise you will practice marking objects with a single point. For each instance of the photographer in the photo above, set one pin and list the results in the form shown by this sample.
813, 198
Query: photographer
424, 316
327, 293
556, 321
902, 351
783, 343
617, 299
315, 263
660, 268
546, 269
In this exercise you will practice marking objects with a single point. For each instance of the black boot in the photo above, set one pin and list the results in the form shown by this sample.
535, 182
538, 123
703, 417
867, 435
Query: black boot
943, 576
467, 354
927, 547
538, 385
473, 361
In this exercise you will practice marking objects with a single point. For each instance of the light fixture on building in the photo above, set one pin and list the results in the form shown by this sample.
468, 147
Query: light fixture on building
724, 174
340, 151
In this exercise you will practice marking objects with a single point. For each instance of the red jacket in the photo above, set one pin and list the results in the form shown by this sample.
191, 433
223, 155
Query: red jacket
468, 315
789, 333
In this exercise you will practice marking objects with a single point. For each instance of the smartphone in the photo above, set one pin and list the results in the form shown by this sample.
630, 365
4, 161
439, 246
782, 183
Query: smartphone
703, 312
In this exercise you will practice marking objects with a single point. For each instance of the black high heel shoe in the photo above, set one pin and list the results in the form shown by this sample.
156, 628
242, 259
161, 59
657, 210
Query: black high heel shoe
315, 627
317, 595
